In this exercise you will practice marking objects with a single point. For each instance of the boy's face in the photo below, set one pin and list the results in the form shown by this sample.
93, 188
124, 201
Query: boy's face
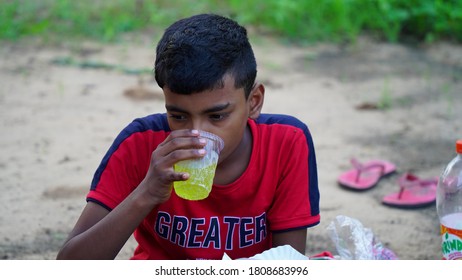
223, 111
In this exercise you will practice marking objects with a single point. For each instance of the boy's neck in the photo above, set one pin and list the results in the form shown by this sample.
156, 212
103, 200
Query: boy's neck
235, 165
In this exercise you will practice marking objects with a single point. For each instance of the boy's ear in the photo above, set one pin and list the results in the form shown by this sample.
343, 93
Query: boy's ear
255, 101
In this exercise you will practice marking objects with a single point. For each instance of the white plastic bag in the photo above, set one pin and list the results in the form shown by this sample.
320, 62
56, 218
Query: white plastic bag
355, 242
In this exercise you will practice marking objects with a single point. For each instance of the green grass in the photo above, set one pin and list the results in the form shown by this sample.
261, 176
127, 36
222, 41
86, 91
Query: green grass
302, 21
386, 100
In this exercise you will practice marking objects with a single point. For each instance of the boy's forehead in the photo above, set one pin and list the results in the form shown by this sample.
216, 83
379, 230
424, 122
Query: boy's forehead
227, 82
227, 93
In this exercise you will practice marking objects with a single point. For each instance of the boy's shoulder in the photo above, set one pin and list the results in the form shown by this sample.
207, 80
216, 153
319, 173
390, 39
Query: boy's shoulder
281, 119
155, 122
286, 123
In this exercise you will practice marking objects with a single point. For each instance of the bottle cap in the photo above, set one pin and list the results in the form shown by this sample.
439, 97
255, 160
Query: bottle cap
459, 146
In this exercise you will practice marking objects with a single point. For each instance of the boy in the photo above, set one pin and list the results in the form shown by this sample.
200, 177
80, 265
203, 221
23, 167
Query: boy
265, 191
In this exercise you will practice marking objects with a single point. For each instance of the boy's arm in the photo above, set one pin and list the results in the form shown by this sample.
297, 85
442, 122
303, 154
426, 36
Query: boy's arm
294, 238
100, 233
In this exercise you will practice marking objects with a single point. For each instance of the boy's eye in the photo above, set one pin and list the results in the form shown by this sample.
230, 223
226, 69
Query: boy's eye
177, 117
218, 117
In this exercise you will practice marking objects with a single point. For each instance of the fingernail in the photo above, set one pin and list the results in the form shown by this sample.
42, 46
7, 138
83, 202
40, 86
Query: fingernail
202, 141
195, 131
201, 152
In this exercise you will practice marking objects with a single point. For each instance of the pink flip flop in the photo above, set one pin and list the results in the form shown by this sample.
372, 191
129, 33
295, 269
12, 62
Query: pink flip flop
364, 176
413, 192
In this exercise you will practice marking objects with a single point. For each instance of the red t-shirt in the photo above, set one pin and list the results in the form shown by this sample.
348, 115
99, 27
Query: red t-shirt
277, 192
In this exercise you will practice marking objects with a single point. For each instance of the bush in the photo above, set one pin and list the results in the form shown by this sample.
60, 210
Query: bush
309, 20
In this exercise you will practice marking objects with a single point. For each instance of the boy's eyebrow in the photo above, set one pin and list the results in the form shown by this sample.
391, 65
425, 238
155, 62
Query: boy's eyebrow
215, 108
174, 108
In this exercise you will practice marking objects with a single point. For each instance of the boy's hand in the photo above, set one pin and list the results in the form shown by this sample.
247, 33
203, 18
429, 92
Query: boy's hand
179, 145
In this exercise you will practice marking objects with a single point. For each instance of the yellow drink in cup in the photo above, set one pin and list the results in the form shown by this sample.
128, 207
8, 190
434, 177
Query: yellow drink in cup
201, 171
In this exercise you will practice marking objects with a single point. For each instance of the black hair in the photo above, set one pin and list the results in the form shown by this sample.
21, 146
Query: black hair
195, 54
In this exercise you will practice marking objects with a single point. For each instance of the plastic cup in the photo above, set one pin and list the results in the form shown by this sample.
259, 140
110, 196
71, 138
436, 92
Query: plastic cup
201, 171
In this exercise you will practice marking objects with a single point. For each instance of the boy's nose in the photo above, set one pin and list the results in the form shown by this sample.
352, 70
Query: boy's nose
199, 125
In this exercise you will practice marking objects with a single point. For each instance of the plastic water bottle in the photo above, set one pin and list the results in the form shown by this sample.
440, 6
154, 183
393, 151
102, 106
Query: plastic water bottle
449, 207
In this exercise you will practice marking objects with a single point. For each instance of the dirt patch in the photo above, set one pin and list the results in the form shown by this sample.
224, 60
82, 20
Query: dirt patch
65, 192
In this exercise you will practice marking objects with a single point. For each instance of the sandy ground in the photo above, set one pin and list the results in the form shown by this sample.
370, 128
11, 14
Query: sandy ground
57, 122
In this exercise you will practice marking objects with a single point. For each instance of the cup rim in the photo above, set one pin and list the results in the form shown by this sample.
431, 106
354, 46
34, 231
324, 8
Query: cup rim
214, 137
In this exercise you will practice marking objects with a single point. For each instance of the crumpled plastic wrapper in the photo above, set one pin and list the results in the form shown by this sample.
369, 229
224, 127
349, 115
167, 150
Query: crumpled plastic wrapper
355, 242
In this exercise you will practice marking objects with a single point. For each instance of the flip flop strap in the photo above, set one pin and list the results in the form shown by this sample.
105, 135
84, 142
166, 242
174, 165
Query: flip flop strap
361, 167
406, 183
